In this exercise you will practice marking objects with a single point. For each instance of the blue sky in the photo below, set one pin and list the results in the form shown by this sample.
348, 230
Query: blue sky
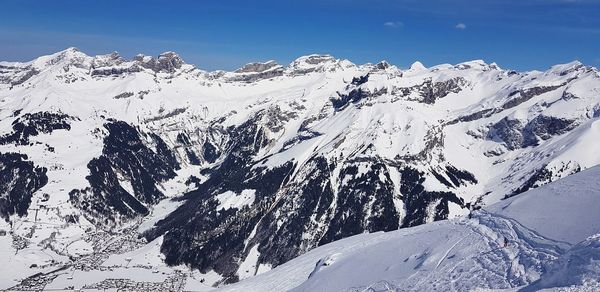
225, 34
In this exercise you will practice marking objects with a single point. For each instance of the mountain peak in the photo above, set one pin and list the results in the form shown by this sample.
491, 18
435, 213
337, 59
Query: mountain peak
416, 67
382, 65
71, 50
169, 61
170, 55
69, 56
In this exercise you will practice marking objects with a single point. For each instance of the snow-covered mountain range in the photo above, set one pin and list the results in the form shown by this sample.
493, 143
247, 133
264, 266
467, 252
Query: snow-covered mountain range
164, 171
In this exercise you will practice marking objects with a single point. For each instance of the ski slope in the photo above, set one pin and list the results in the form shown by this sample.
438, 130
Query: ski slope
553, 235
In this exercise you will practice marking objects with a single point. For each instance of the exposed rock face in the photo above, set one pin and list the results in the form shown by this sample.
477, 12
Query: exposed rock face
257, 71
318, 59
23, 75
313, 63
19, 179
116, 71
166, 62
545, 127
523, 95
382, 65
357, 81
71, 57
257, 67
539, 177
429, 91
123, 95
112, 59
114, 65
354, 93
516, 98
354, 96
515, 134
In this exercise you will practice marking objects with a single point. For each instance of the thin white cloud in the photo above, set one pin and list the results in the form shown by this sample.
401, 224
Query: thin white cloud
461, 26
393, 24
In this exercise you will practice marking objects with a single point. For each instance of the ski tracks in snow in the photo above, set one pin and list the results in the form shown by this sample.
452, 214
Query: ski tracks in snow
481, 261
448, 252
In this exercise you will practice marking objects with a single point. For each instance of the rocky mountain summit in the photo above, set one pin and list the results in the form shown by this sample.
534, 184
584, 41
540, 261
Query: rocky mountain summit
230, 174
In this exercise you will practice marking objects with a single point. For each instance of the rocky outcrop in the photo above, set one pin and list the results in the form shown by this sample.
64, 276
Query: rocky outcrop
257, 67
516, 134
428, 91
253, 72
313, 63
21, 76
112, 59
354, 93
116, 71
522, 95
167, 62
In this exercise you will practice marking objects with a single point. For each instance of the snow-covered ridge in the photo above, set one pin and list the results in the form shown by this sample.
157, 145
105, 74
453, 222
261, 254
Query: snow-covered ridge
169, 62
113, 64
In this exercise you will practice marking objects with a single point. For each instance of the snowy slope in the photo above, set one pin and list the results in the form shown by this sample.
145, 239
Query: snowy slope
552, 237
235, 173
